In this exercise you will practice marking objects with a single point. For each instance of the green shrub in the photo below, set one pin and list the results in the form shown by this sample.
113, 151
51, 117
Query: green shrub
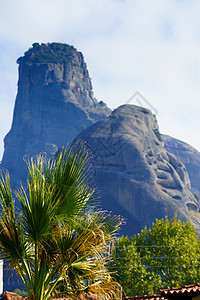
51, 52
20, 293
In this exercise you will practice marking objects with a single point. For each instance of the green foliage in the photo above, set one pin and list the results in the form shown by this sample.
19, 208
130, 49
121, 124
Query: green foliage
51, 53
20, 293
164, 256
56, 245
130, 271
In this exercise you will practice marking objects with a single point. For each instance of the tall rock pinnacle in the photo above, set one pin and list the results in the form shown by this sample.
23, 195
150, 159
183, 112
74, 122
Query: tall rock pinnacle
54, 103
137, 177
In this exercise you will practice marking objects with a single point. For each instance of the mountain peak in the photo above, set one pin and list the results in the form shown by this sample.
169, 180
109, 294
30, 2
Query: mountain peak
54, 103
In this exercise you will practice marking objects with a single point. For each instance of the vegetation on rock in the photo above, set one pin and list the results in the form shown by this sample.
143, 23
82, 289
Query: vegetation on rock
51, 53
20, 293
56, 242
164, 256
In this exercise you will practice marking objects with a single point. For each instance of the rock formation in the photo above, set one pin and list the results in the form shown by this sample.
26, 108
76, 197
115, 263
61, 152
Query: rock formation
189, 156
54, 103
137, 177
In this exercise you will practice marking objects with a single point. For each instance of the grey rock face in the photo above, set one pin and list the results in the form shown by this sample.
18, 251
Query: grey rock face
189, 156
54, 103
136, 176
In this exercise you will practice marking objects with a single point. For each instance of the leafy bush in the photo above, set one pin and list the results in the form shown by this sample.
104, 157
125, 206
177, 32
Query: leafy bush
164, 256
20, 293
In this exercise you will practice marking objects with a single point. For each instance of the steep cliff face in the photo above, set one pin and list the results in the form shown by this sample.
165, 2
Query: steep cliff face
54, 103
136, 176
189, 156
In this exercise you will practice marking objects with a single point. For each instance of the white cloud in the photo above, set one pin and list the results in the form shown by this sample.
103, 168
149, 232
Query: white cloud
150, 46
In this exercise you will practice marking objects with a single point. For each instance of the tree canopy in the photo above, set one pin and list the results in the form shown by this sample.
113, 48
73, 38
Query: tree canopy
164, 256
58, 242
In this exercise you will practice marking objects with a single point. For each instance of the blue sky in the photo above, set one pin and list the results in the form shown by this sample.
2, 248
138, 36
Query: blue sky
150, 46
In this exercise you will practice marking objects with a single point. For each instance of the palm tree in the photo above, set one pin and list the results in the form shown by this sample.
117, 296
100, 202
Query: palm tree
58, 242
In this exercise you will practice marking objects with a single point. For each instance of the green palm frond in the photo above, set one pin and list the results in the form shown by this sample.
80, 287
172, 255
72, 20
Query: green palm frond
70, 176
59, 243
6, 197
38, 211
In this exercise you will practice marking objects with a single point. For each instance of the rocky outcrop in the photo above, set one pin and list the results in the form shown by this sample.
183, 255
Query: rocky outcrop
54, 103
137, 177
189, 156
